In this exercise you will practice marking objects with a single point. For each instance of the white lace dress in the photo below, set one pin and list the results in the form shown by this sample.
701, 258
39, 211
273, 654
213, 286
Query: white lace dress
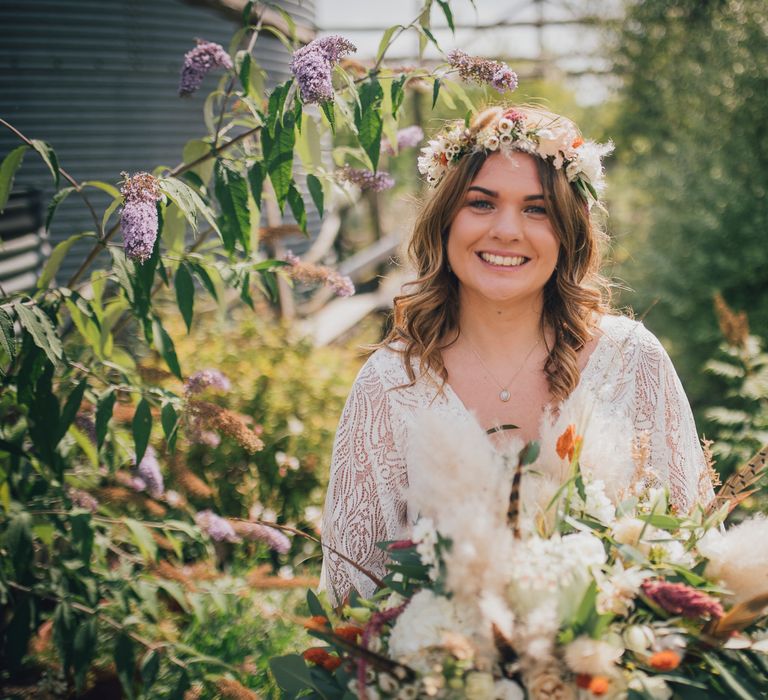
629, 374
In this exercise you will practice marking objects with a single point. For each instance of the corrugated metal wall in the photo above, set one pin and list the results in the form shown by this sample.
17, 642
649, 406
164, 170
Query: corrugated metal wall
98, 80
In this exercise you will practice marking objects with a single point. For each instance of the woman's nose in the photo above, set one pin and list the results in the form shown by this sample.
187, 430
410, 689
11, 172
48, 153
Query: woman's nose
508, 226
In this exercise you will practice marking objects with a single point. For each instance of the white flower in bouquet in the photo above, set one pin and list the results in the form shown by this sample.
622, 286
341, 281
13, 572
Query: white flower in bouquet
422, 624
628, 530
593, 656
597, 504
738, 558
555, 571
650, 686
506, 689
639, 638
425, 536
617, 589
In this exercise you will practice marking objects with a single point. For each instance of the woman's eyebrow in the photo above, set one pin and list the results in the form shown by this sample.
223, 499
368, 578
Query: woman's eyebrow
531, 197
477, 188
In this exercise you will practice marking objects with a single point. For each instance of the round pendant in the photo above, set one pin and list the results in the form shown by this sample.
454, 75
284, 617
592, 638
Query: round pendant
504, 395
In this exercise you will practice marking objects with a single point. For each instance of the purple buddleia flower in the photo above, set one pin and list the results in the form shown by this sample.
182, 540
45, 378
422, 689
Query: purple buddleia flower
273, 538
341, 285
365, 179
199, 62
215, 527
147, 475
408, 137
82, 499
311, 65
205, 379
86, 425
480, 70
138, 220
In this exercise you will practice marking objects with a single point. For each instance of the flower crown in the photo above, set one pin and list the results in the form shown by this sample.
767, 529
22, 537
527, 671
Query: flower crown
528, 133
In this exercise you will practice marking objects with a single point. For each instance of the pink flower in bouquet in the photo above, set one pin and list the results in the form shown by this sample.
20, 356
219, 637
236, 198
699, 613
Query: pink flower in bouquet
680, 599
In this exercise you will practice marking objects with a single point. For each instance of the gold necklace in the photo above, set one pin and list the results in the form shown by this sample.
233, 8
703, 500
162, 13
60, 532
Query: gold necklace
504, 394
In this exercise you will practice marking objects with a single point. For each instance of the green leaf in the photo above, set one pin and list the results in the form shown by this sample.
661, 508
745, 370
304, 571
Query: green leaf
41, 329
385, 39
170, 422
435, 91
316, 192
84, 650
204, 277
330, 115
57, 257
397, 93
278, 156
108, 213
735, 685
446, 8
232, 194
57, 199
256, 177
19, 629
530, 453
185, 294
124, 661
314, 605
291, 674
63, 632
18, 543
104, 407
188, 201
142, 428
247, 13
111, 190
166, 348
142, 538
243, 63
150, 665
275, 107
368, 119
49, 157
297, 207
7, 335
71, 407
8, 170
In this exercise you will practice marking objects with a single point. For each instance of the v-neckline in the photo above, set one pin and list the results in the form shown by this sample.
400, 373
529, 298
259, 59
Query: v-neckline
453, 397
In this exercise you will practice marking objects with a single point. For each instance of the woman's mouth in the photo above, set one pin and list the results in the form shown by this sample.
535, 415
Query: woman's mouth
503, 260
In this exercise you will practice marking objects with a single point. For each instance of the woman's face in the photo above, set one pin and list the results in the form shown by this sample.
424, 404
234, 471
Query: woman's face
501, 245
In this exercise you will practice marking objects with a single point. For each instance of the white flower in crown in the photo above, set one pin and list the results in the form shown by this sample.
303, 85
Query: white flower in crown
587, 163
557, 142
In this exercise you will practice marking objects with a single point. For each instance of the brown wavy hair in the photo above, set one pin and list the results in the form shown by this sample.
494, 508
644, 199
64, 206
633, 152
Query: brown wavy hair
574, 296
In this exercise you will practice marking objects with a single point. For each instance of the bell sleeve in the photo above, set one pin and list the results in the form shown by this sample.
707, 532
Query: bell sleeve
362, 498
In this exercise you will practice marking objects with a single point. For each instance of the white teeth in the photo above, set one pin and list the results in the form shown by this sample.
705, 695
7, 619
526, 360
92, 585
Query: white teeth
503, 260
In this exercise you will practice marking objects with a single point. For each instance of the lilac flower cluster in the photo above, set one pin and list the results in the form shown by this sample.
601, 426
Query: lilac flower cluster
307, 272
365, 179
147, 475
408, 137
480, 70
311, 66
216, 527
138, 220
273, 538
199, 62
205, 379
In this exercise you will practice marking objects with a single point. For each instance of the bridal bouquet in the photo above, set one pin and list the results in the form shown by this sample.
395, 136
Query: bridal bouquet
550, 573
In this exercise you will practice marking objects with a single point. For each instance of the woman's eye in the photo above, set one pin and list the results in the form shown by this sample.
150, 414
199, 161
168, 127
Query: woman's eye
479, 204
538, 211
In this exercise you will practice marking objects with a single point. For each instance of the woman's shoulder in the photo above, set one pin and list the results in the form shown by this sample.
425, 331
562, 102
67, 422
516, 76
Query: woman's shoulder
630, 338
385, 366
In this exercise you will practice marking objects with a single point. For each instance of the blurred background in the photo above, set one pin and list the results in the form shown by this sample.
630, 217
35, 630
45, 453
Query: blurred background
680, 87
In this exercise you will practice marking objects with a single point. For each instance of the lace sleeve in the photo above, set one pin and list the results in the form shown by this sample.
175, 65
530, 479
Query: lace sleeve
361, 498
663, 414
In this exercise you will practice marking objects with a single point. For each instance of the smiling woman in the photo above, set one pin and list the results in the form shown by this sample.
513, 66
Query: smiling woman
509, 324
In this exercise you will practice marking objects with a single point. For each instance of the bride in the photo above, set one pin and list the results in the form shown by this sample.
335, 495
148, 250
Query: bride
508, 320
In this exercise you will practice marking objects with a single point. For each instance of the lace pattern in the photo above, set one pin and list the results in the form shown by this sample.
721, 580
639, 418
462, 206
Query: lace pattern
629, 372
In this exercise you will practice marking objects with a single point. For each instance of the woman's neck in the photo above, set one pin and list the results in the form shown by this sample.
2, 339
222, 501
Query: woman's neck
499, 329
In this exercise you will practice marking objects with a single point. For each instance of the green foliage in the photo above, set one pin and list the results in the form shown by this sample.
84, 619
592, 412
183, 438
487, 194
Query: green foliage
692, 154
